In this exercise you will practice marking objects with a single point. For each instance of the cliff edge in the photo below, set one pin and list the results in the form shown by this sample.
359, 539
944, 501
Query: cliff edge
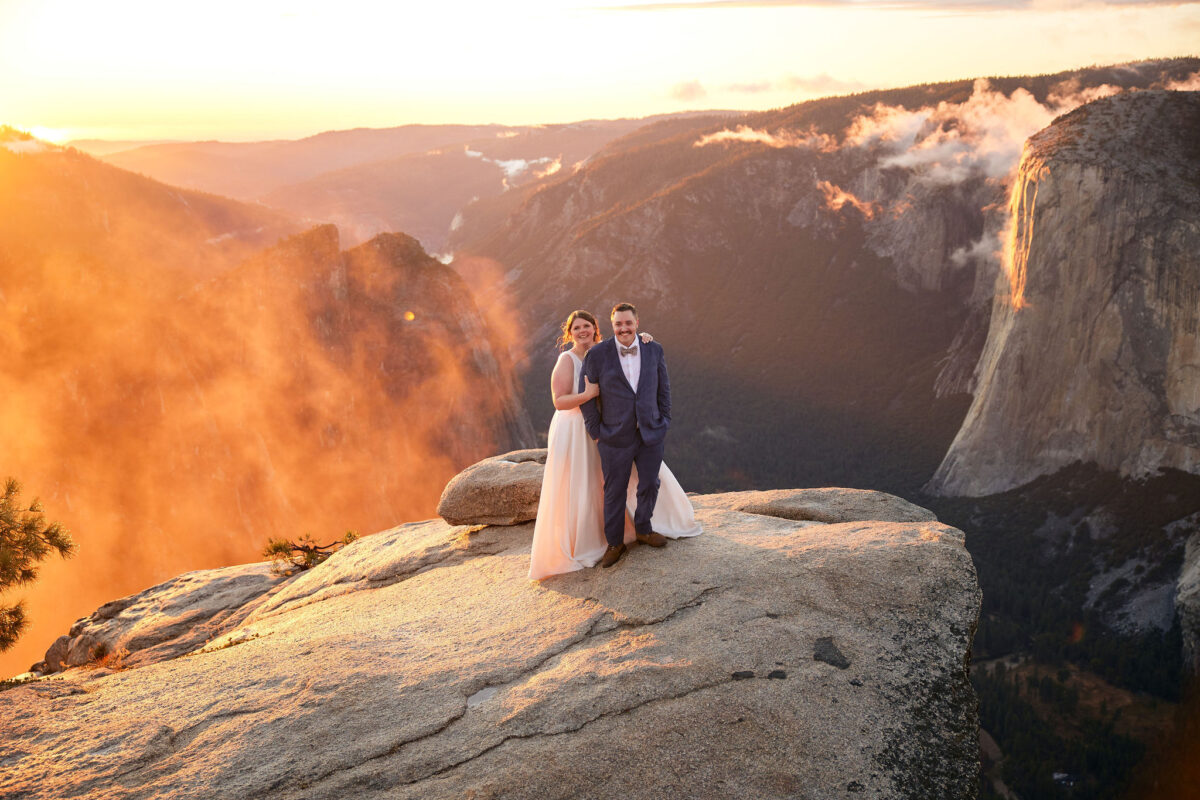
1092, 352
774, 656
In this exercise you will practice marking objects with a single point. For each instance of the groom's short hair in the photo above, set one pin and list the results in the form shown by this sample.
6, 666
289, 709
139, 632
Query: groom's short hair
623, 307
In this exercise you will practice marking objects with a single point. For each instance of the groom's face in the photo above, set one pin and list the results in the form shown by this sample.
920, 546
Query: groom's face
624, 327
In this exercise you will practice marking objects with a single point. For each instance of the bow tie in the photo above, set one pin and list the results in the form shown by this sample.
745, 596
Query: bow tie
629, 351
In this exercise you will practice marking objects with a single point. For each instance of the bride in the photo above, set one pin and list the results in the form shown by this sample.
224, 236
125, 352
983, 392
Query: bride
569, 532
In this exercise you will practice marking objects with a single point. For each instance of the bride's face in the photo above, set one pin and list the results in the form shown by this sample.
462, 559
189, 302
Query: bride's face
583, 332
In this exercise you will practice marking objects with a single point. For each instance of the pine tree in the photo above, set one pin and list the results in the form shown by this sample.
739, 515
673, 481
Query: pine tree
25, 539
289, 556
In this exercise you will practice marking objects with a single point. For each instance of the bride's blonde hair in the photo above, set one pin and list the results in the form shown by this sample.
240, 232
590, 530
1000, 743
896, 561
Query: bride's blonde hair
566, 339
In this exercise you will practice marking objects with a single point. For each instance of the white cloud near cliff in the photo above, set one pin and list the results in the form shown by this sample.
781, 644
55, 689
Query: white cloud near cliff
980, 137
744, 133
1189, 84
987, 246
836, 198
553, 167
515, 167
896, 126
946, 144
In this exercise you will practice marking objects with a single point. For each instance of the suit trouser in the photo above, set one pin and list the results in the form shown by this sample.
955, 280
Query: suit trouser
617, 462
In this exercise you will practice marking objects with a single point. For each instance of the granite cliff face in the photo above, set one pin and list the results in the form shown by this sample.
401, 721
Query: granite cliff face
1092, 352
773, 656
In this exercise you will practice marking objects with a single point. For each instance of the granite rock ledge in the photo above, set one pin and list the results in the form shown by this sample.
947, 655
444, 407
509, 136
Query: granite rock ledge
770, 657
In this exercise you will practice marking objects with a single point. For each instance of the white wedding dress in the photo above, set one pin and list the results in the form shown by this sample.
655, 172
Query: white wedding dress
569, 532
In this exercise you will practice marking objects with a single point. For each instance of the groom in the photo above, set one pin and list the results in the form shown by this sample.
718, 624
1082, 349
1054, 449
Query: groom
629, 422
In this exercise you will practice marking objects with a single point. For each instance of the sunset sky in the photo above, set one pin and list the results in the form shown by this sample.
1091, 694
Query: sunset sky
266, 69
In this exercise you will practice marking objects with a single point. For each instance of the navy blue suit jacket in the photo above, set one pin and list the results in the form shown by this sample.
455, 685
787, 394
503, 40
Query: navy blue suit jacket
619, 413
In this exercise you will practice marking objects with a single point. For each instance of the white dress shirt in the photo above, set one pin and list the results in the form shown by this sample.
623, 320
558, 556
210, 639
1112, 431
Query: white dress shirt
632, 365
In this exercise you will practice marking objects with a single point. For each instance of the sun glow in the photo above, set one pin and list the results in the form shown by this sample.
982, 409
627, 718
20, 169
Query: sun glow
52, 135
132, 69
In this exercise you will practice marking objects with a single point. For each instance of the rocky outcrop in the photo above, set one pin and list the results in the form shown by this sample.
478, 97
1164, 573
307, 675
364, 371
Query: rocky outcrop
309, 389
164, 621
501, 490
1093, 354
770, 657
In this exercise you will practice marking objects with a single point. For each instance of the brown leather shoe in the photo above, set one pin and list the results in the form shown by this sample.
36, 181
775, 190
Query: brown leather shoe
653, 539
612, 555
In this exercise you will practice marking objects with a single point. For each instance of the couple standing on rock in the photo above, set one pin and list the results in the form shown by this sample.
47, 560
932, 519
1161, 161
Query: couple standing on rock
613, 409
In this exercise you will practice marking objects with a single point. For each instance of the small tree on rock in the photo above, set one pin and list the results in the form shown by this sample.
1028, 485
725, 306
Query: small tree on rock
302, 554
25, 539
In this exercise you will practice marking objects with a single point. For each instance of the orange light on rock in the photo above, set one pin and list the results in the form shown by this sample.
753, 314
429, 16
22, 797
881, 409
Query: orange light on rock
409, 316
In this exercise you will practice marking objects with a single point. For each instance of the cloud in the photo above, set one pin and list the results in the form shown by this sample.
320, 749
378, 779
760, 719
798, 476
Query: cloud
515, 167
820, 83
688, 91
892, 125
810, 139
980, 137
749, 88
985, 247
946, 144
837, 197
553, 167
1189, 84
810, 84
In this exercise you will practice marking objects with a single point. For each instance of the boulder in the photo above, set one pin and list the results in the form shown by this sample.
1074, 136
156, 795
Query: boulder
502, 490
56, 655
767, 658
83, 649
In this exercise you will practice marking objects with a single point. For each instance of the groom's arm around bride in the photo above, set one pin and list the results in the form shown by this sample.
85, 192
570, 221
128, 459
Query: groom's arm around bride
620, 412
